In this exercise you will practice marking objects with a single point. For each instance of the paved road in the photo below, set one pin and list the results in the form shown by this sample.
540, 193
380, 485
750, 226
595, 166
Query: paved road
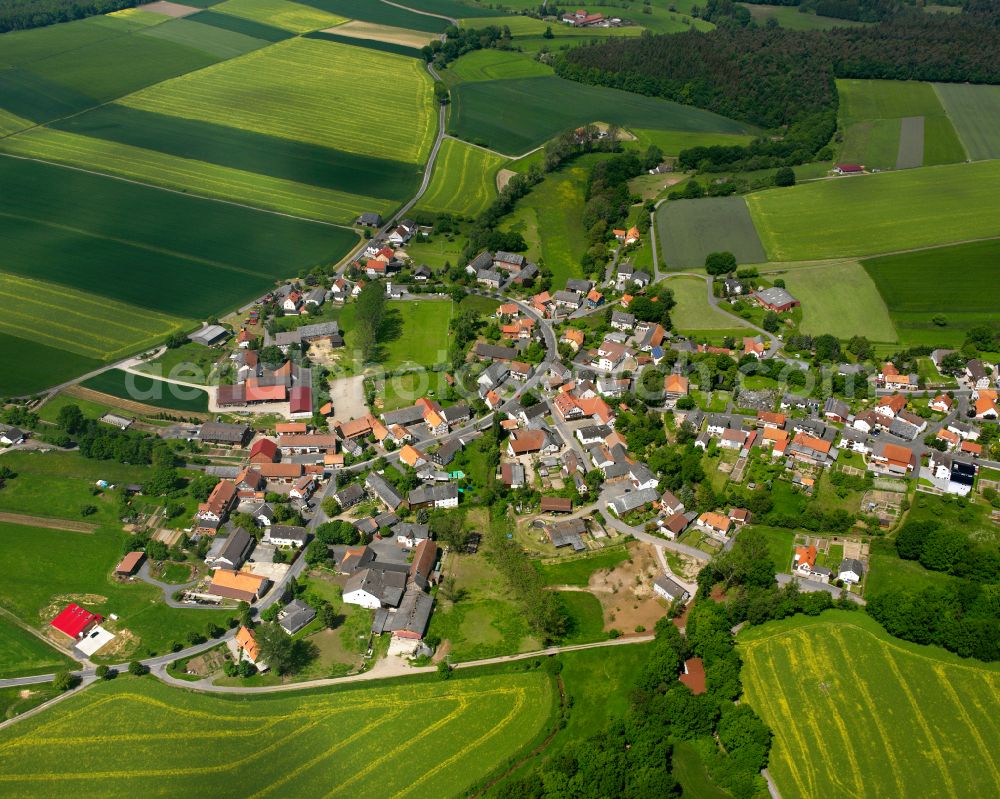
169, 589
812, 586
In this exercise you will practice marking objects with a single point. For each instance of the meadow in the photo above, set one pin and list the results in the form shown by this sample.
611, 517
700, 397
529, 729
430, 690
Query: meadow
306, 90
791, 18
857, 712
842, 300
28, 366
493, 65
24, 654
77, 567
837, 218
149, 391
330, 742
895, 124
464, 179
912, 287
689, 230
692, 311
516, 115
975, 112
673, 141
577, 571
381, 14
244, 25
293, 17
413, 332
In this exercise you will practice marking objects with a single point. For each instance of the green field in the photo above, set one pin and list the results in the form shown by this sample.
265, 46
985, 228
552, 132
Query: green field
27, 366
857, 712
891, 124
330, 742
23, 654
689, 230
464, 179
585, 617
791, 18
693, 312
495, 64
306, 90
834, 218
673, 141
911, 285
577, 571
516, 115
219, 42
382, 14
415, 332
77, 567
842, 300
975, 113
139, 388
248, 27
294, 17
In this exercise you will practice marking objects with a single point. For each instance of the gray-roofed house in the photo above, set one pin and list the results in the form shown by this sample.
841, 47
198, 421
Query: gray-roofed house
210, 335
633, 500
622, 321
236, 550
404, 416
482, 261
776, 299
567, 534
641, 279
446, 453
494, 352
511, 261
295, 615
489, 277
379, 585
438, 495
456, 413
412, 617
494, 375
369, 219
283, 535
836, 409
568, 299
316, 297
851, 570
220, 433
349, 496
670, 589
577, 285
383, 491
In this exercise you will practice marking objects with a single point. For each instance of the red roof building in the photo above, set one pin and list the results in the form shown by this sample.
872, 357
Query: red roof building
264, 451
300, 400
74, 621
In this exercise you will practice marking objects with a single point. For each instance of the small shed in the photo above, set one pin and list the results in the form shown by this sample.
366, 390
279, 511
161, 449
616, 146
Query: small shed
130, 564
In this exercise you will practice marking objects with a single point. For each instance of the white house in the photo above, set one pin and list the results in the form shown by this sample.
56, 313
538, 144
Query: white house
286, 536
851, 571
669, 589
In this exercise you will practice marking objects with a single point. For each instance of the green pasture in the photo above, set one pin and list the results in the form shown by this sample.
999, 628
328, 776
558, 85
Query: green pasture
148, 390
401, 391
464, 179
219, 42
413, 332
248, 27
289, 16
888, 572
975, 112
197, 178
49, 412
24, 654
779, 545
875, 703
891, 124
577, 571
21, 48
693, 312
381, 14
912, 287
306, 90
690, 229
142, 246
495, 64
437, 252
842, 300
17, 701
455, 9
77, 568
27, 366
585, 617
792, 19
330, 741
516, 115
673, 141
835, 218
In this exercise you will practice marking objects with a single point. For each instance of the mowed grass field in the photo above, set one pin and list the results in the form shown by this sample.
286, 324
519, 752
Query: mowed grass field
306, 90
148, 390
975, 112
23, 654
464, 179
874, 214
856, 712
516, 115
289, 16
892, 124
28, 366
381, 14
414, 332
791, 18
689, 230
841, 299
692, 311
495, 64
319, 744
958, 283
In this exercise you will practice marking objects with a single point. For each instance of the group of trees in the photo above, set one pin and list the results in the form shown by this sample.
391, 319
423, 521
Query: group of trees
778, 78
368, 319
23, 14
948, 549
459, 41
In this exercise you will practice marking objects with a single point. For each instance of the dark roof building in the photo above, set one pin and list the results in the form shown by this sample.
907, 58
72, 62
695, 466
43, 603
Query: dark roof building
220, 433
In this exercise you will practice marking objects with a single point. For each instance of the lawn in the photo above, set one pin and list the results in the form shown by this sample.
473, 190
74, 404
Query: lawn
437, 252
13, 702
888, 572
24, 654
401, 391
174, 170
149, 391
28, 366
911, 285
382, 14
895, 124
840, 299
690, 229
190, 363
875, 703
840, 218
585, 617
975, 113
577, 571
293, 17
464, 180
673, 141
692, 311
306, 90
329, 745
415, 332
495, 64
516, 115
77, 567
689, 768
49, 412
779, 545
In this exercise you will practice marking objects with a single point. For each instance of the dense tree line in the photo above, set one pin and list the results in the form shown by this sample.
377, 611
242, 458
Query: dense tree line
459, 41
948, 549
23, 14
778, 78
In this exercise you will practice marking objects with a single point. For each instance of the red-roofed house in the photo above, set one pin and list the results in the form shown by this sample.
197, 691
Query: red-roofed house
75, 621
264, 451
849, 169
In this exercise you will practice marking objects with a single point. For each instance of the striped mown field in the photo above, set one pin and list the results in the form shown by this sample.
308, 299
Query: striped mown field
464, 179
307, 90
289, 16
858, 713
146, 739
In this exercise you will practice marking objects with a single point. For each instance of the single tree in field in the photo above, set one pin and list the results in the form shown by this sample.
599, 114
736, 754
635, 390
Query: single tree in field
785, 176
720, 263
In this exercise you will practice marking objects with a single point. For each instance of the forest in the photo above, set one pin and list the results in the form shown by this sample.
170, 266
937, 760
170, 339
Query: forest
23, 14
783, 80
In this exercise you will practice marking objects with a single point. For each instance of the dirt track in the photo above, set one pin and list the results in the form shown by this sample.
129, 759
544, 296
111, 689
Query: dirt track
45, 521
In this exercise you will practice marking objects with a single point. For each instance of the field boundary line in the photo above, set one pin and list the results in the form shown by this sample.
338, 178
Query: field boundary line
452, 20
87, 682
48, 523
84, 393
177, 191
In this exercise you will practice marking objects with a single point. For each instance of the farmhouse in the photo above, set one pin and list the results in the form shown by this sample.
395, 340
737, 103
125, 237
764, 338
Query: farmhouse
236, 551
235, 435
383, 491
241, 586
437, 495
776, 299
670, 589
130, 564
380, 585
848, 169
75, 621
295, 615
